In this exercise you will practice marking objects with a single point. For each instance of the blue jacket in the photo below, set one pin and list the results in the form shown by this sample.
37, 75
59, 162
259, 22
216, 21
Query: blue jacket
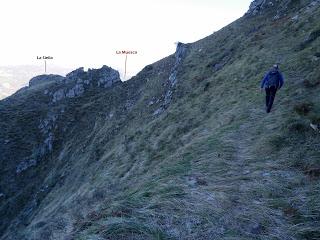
266, 78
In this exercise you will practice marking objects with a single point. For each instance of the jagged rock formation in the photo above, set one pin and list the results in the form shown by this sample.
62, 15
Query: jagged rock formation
183, 150
71, 86
172, 80
103, 77
75, 82
259, 5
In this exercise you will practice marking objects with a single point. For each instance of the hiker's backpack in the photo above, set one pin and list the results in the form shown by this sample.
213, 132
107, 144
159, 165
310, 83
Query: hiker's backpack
273, 79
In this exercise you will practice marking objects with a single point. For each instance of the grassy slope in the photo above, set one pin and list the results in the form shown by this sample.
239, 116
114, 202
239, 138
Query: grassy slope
214, 165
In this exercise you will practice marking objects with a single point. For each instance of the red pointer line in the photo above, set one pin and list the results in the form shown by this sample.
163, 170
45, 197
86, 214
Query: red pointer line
125, 68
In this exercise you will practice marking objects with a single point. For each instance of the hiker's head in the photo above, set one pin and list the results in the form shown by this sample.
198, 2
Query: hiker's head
275, 67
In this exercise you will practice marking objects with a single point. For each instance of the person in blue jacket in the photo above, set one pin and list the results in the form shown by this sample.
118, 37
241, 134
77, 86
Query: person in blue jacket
272, 82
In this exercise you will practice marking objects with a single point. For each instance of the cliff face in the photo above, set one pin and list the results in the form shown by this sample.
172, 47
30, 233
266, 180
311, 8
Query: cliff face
183, 150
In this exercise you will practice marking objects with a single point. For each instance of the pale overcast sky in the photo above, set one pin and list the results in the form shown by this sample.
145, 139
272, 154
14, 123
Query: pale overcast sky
89, 32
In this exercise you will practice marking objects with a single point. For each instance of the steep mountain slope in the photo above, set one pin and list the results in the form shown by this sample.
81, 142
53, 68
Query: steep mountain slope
184, 150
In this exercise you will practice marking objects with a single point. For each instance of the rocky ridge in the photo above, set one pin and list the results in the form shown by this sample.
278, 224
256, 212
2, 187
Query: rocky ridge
180, 54
73, 85
258, 7
75, 82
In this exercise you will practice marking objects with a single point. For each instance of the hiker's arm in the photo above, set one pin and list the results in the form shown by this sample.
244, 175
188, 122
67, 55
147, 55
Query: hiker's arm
281, 80
264, 81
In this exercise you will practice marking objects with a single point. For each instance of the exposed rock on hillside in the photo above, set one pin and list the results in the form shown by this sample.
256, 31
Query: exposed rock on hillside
180, 54
259, 5
77, 74
76, 82
103, 77
281, 7
73, 85
45, 79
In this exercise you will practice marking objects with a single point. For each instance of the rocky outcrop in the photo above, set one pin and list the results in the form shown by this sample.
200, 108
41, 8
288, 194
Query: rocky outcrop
103, 77
179, 55
310, 38
45, 79
281, 7
77, 90
25, 164
257, 6
172, 81
47, 127
73, 85
76, 75
58, 95
76, 82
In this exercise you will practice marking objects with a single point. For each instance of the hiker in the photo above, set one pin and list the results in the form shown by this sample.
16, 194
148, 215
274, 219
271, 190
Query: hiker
272, 82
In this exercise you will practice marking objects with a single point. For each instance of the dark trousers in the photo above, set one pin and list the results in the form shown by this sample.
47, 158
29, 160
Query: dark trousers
270, 95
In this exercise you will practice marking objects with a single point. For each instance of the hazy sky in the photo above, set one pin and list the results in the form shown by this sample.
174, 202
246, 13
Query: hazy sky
89, 32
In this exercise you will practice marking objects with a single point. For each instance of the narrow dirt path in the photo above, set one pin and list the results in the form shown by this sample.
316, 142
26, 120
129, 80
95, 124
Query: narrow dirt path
254, 180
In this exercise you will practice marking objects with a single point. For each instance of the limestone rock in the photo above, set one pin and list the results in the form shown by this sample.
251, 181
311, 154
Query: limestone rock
47, 124
58, 95
179, 55
103, 77
76, 74
295, 18
25, 164
280, 7
48, 143
76, 82
172, 81
158, 111
46, 127
256, 6
45, 78
166, 98
77, 90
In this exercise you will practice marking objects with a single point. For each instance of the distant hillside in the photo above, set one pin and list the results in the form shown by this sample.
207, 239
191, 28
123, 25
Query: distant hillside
183, 150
